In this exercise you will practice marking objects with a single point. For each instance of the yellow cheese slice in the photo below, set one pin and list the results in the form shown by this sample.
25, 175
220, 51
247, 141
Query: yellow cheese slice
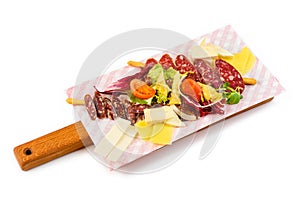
162, 134
210, 93
144, 129
243, 61
159, 124
203, 42
156, 129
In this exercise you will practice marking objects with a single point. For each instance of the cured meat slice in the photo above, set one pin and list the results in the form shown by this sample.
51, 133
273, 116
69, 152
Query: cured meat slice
183, 65
229, 74
166, 61
134, 112
118, 107
90, 106
110, 112
123, 85
209, 75
100, 105
150, 63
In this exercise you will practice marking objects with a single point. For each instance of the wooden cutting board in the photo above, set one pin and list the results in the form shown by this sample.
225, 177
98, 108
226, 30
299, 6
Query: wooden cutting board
63, 141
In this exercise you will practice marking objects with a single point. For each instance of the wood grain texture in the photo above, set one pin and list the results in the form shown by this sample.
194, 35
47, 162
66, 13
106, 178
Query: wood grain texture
51, 146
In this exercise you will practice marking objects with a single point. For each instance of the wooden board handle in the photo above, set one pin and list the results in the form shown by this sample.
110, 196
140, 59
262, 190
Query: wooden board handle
51, 146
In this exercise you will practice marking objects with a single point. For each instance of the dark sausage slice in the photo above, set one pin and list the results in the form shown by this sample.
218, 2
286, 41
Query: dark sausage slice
209, 75
118, 107
100, 105
229, 74
109, 109
90, 106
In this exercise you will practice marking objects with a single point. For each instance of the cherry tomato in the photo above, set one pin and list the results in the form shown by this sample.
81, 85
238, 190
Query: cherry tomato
141, 90
191, 88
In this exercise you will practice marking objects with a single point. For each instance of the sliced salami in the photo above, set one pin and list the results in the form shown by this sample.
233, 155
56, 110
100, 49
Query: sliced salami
90, 106
109, 109
209, 75
149, 64
100, 105
183, 65
166, 61
229, 74
118, 107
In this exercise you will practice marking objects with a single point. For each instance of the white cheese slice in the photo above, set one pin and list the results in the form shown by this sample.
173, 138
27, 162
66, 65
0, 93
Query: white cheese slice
122, 124
161, 78
209, 50
106, 145
154, 115
223, 52
198, 52
174, 121
122, 145
183, 115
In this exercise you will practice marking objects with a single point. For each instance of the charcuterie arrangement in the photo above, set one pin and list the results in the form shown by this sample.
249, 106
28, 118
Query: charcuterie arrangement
167, 92
127, 112
196, 89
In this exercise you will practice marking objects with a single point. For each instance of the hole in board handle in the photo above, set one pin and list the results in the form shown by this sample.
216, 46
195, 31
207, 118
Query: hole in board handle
27, 151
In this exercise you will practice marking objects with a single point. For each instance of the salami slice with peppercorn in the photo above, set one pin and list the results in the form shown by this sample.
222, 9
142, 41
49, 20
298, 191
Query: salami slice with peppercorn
90, 106
209, 75
183, 65
229, 74
166, 61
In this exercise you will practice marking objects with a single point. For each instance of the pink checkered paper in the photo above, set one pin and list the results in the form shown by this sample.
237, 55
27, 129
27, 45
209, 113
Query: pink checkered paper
267, 87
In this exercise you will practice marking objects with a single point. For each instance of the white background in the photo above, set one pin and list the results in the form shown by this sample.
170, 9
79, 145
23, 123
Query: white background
42, 47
